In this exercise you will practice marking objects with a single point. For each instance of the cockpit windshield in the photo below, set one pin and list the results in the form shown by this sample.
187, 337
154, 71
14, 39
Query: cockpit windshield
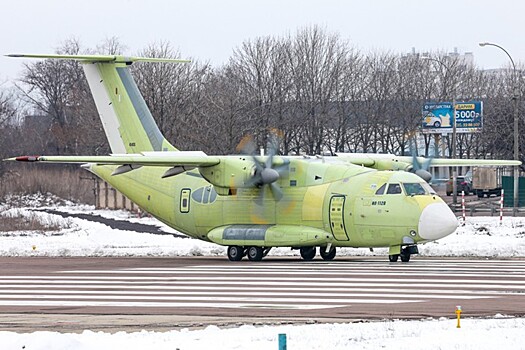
393, 189
417, 189
411, 189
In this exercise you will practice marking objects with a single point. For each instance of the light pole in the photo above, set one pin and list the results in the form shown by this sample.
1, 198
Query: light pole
453, 153
516, 135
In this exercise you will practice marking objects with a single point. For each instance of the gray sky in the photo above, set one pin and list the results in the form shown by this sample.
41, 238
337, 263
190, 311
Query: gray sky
211, 29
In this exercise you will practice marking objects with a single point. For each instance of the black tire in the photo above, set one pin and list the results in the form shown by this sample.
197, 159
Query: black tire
255, 253
327, 255
449, 193
405, 257
393, 258
235, 253
437, 124
307, 253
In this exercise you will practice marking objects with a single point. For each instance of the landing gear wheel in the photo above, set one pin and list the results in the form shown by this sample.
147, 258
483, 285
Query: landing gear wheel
327, 255
307, 253
393, 258
235, 253
405, 257
255, 253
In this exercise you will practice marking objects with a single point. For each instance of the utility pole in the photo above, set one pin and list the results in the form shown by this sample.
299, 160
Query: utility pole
515, 97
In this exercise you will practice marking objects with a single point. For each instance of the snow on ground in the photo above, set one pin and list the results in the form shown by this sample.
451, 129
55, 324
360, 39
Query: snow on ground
479, 237
497, 333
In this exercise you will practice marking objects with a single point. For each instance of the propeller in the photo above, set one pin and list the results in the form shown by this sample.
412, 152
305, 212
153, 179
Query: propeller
266, 173
421, 169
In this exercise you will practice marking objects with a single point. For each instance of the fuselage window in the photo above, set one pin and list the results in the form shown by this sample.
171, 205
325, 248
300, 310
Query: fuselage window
185, 200
204, 195
414, 189
394, 189
381, 190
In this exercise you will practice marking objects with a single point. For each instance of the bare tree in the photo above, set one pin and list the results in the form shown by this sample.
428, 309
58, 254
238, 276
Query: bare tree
169, 90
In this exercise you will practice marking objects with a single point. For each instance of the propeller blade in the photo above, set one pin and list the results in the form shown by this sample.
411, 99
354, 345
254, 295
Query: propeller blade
276, 191
247, 145
422, 168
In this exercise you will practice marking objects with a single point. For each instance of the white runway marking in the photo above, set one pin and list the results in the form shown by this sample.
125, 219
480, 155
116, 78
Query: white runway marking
314, 285
140, 304
191, 294
269, 279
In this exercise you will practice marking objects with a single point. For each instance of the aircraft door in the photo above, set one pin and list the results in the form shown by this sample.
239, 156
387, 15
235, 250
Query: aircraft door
337, 224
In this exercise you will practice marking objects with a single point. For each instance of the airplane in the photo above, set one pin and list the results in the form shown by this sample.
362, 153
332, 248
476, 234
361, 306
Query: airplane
253, 203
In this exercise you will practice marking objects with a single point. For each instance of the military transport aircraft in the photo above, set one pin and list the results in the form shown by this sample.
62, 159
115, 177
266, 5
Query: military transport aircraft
253, 203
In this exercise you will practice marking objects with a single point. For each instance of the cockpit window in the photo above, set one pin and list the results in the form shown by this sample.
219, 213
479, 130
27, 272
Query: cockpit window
394, 189
381, 190
414, 189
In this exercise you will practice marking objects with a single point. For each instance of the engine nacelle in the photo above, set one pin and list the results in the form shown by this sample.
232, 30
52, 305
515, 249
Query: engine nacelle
231, 173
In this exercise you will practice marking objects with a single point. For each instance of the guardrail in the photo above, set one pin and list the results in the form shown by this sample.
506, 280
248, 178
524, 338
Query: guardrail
487, 210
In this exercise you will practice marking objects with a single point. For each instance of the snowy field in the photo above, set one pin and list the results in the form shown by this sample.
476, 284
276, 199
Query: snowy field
498, 333
480, 237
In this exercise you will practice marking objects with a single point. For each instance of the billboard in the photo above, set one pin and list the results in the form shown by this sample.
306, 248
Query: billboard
438, 117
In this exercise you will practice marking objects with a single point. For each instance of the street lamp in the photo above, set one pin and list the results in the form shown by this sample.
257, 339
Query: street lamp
516, 135
453, 155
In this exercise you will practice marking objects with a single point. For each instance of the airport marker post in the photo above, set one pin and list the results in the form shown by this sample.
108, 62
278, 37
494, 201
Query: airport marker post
458, 313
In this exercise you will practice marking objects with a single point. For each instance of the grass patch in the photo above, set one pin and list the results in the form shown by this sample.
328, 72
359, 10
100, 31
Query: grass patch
18, 220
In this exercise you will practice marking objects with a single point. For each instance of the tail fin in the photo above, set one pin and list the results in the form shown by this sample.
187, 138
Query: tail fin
127, 121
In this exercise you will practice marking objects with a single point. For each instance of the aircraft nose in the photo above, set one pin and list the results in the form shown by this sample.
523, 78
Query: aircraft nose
437, 221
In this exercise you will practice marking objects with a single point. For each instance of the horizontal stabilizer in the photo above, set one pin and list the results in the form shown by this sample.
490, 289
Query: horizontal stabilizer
99, 58
161, 159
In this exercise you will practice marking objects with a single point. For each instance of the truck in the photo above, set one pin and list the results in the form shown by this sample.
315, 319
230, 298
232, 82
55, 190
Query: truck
486, 181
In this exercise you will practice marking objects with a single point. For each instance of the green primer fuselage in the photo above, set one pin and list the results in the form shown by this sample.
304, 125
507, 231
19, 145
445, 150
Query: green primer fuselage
323, 203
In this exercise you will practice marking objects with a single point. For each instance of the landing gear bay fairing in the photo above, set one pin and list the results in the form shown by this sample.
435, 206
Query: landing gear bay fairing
254, 203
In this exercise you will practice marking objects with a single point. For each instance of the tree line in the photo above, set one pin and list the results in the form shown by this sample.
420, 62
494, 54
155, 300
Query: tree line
322, 94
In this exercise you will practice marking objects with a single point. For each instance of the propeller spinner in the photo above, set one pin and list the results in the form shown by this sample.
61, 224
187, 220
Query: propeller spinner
421, 168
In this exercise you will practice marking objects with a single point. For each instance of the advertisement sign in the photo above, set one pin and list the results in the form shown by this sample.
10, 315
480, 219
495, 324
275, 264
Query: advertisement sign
439, 117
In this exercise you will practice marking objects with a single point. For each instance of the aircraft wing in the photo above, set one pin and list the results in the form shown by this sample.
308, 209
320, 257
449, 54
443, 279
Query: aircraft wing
373, 159
161, 159
444, 162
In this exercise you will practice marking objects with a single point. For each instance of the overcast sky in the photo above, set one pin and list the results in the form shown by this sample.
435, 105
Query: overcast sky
211, 29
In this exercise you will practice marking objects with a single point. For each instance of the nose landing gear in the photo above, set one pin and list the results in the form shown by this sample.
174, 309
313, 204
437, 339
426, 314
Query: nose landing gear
396, 252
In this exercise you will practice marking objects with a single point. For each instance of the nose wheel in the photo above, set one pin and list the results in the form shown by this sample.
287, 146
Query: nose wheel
404, 253
327, 254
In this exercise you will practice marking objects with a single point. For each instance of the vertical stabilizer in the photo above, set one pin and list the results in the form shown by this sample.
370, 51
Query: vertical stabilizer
127, 121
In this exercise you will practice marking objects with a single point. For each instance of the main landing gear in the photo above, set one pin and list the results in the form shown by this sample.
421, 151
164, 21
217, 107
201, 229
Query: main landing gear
236, 253
327, 253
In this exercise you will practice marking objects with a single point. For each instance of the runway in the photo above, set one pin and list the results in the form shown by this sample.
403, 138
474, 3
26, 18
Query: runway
190, 291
